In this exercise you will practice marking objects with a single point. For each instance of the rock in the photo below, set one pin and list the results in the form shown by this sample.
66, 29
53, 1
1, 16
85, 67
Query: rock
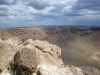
38, 52
7, 50
54, 70
5, 72
48, 53
34, 74
35, 55
27, 59
90, 70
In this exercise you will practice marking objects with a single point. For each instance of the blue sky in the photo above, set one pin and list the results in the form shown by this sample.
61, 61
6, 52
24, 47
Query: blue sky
29, 13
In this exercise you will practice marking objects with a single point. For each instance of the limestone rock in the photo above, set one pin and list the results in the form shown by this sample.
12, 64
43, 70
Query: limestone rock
27, 59
5, 72
54, 70
47, 53
7, 50
38, 52
36, 55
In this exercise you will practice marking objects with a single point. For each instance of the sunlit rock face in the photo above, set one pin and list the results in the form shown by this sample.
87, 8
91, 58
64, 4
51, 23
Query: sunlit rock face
7, 50
45, 57
33, 55
5, 72
54, 70
38, 52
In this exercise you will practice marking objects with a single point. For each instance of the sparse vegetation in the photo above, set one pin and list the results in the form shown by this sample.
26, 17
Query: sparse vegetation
16, 70
0, 70
38, 73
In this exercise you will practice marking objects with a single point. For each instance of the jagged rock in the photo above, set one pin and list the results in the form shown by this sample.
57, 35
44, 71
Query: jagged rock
38, 52
90, 70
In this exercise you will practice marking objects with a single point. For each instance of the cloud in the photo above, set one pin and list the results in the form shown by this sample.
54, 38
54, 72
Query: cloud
85, 7
72, 14
5, 2
17, 13
2, 13
4, 10
87, 4
38, 5
57, 9
3, 7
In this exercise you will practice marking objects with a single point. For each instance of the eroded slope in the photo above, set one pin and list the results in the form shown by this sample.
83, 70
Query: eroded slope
78, 44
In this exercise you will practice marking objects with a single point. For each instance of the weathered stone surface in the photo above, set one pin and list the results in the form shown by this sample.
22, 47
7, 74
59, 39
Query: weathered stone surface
7, 50
90, 70
27, 59
47, 53
5, 72
54, 70
38, 52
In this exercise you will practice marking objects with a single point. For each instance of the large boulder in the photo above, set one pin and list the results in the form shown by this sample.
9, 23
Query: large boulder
47, 53
37, 53
27, 59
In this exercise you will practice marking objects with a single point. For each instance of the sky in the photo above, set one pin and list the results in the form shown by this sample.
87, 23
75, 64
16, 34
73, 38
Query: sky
29, 13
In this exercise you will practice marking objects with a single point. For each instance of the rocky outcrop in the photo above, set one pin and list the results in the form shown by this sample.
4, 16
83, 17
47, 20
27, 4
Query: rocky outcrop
47, 53
38, 53
45, 57
35, 55
7, 50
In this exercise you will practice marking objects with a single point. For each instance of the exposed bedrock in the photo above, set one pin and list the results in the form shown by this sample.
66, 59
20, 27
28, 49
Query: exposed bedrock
37, 53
